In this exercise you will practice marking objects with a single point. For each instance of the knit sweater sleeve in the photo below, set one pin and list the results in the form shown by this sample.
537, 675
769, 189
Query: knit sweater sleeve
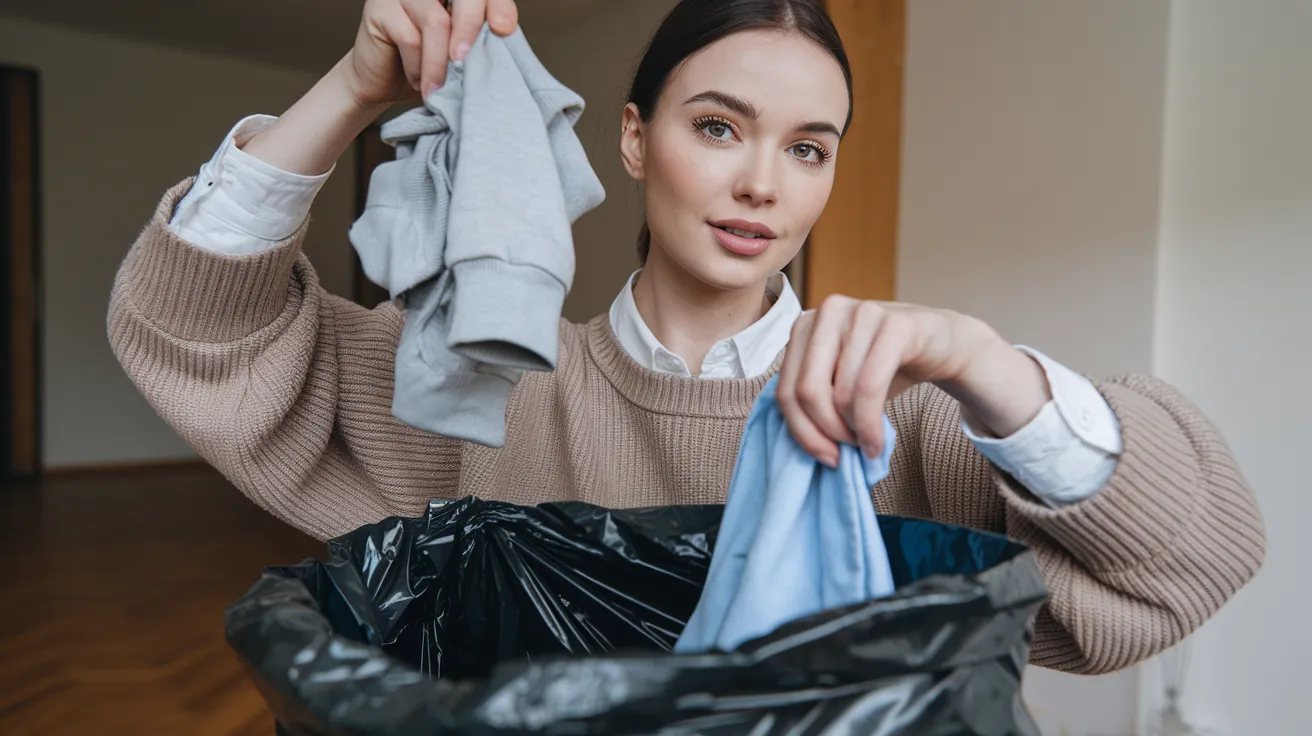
1137, 567
279, 385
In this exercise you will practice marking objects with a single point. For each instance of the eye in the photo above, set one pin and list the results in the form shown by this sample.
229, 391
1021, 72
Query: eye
716, 129
810, 153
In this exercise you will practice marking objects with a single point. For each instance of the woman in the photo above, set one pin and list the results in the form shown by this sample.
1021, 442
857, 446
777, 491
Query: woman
1132, 502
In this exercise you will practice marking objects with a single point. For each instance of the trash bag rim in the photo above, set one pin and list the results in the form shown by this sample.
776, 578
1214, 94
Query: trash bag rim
1016, 555
437, 504
281, 583
280, 620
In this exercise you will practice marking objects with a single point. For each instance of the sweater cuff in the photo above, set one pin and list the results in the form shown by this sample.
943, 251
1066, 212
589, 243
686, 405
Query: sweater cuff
1148, 502
506, 314
196, 294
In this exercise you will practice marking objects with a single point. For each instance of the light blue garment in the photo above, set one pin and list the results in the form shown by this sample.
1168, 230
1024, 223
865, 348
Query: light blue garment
797, 537
471, 223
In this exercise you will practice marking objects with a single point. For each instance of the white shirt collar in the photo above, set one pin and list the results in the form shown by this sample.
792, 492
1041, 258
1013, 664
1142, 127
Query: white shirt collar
745, 355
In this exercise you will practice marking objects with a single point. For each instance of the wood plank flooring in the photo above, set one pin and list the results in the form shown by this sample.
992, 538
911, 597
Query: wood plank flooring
113, 589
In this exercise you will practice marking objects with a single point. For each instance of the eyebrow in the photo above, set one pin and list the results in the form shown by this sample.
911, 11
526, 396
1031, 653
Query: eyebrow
748, 110
728, 101
820, 127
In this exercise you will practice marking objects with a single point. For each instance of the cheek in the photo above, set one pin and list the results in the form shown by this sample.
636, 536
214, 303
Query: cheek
685, 175
809, 194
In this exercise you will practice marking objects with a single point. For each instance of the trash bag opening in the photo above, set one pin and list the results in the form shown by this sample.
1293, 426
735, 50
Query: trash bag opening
489, 617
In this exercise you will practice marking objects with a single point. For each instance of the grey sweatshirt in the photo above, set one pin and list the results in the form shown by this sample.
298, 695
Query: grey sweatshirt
471, 225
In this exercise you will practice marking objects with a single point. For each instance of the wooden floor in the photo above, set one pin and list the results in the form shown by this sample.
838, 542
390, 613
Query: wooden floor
113, 593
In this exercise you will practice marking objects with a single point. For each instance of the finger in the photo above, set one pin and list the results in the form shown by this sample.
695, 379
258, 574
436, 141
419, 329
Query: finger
502, 16
857, 340
900, 385
807, 434
876, 378
403, 31
815, 384
437, 37
466, 21
434, 25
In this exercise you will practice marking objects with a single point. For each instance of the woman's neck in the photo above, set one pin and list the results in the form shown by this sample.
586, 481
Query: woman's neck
686, 315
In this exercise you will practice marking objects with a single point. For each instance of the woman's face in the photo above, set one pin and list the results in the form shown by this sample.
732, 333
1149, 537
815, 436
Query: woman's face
738, 159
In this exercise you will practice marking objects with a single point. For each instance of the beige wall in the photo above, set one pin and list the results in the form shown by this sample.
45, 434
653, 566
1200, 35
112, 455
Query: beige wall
1032, 138
1031, 149
120, 123
157, 114
1234, 324
1126, 185
597, 58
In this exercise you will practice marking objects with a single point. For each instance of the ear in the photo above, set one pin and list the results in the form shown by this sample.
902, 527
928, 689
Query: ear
632, 141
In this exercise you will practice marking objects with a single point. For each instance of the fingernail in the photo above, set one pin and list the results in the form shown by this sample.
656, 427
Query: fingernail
462, 51
832, 461
429, 89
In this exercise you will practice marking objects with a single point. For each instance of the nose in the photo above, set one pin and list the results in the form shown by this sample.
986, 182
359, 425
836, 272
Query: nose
758, 181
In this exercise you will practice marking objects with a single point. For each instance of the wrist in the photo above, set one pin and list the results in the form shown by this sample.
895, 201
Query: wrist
355, 108
1001, 388
314, 132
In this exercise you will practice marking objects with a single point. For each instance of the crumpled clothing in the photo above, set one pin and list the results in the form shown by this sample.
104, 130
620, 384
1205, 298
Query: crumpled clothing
797, 537
472, 225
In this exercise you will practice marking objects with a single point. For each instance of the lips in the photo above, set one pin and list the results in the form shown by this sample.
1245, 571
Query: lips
742, 237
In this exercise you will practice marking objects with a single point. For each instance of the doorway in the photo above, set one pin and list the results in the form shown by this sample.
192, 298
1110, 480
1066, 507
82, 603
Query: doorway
20, 331
853, 247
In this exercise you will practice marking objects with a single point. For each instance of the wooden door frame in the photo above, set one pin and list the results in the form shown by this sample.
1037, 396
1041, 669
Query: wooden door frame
852, 249
20, 272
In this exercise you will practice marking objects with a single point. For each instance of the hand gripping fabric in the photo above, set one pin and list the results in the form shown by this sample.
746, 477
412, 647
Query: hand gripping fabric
797, 537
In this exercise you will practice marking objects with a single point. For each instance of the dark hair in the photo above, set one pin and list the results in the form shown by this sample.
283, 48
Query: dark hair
695, 24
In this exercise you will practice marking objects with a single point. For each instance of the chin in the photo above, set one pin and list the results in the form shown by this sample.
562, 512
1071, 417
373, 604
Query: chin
728, 272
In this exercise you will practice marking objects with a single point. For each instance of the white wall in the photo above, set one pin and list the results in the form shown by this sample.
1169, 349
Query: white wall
1128, 185
1234, 323
596, 58
1032, 137
121, 122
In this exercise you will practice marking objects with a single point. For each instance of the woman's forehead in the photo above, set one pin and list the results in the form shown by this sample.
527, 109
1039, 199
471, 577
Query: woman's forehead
781, 74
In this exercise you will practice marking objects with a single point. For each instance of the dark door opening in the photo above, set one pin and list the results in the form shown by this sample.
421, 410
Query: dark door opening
20, 303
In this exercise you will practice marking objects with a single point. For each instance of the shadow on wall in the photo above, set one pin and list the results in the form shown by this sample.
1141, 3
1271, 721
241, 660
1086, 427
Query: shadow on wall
596, 57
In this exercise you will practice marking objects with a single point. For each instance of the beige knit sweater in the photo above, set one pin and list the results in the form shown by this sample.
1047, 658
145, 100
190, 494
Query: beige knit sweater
287, 390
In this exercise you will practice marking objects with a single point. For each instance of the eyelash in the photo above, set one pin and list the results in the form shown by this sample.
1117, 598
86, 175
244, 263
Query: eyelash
700, 125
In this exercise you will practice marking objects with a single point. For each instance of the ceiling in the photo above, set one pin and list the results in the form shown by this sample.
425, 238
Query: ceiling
309, 35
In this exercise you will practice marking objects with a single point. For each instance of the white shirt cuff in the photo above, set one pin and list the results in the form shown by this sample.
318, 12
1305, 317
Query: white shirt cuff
241, 205
1070, 450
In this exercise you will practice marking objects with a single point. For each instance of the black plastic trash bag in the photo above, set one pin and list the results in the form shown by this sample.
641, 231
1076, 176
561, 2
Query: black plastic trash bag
486, 617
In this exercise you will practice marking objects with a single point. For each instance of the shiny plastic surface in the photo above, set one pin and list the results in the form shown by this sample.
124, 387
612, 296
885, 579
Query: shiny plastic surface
485, 617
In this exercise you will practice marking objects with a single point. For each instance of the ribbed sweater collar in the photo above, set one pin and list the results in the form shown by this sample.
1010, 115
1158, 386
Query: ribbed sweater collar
666, 394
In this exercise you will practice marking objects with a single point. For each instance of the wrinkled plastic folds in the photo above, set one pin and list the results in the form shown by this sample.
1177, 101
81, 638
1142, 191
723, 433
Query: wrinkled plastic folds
486, 617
